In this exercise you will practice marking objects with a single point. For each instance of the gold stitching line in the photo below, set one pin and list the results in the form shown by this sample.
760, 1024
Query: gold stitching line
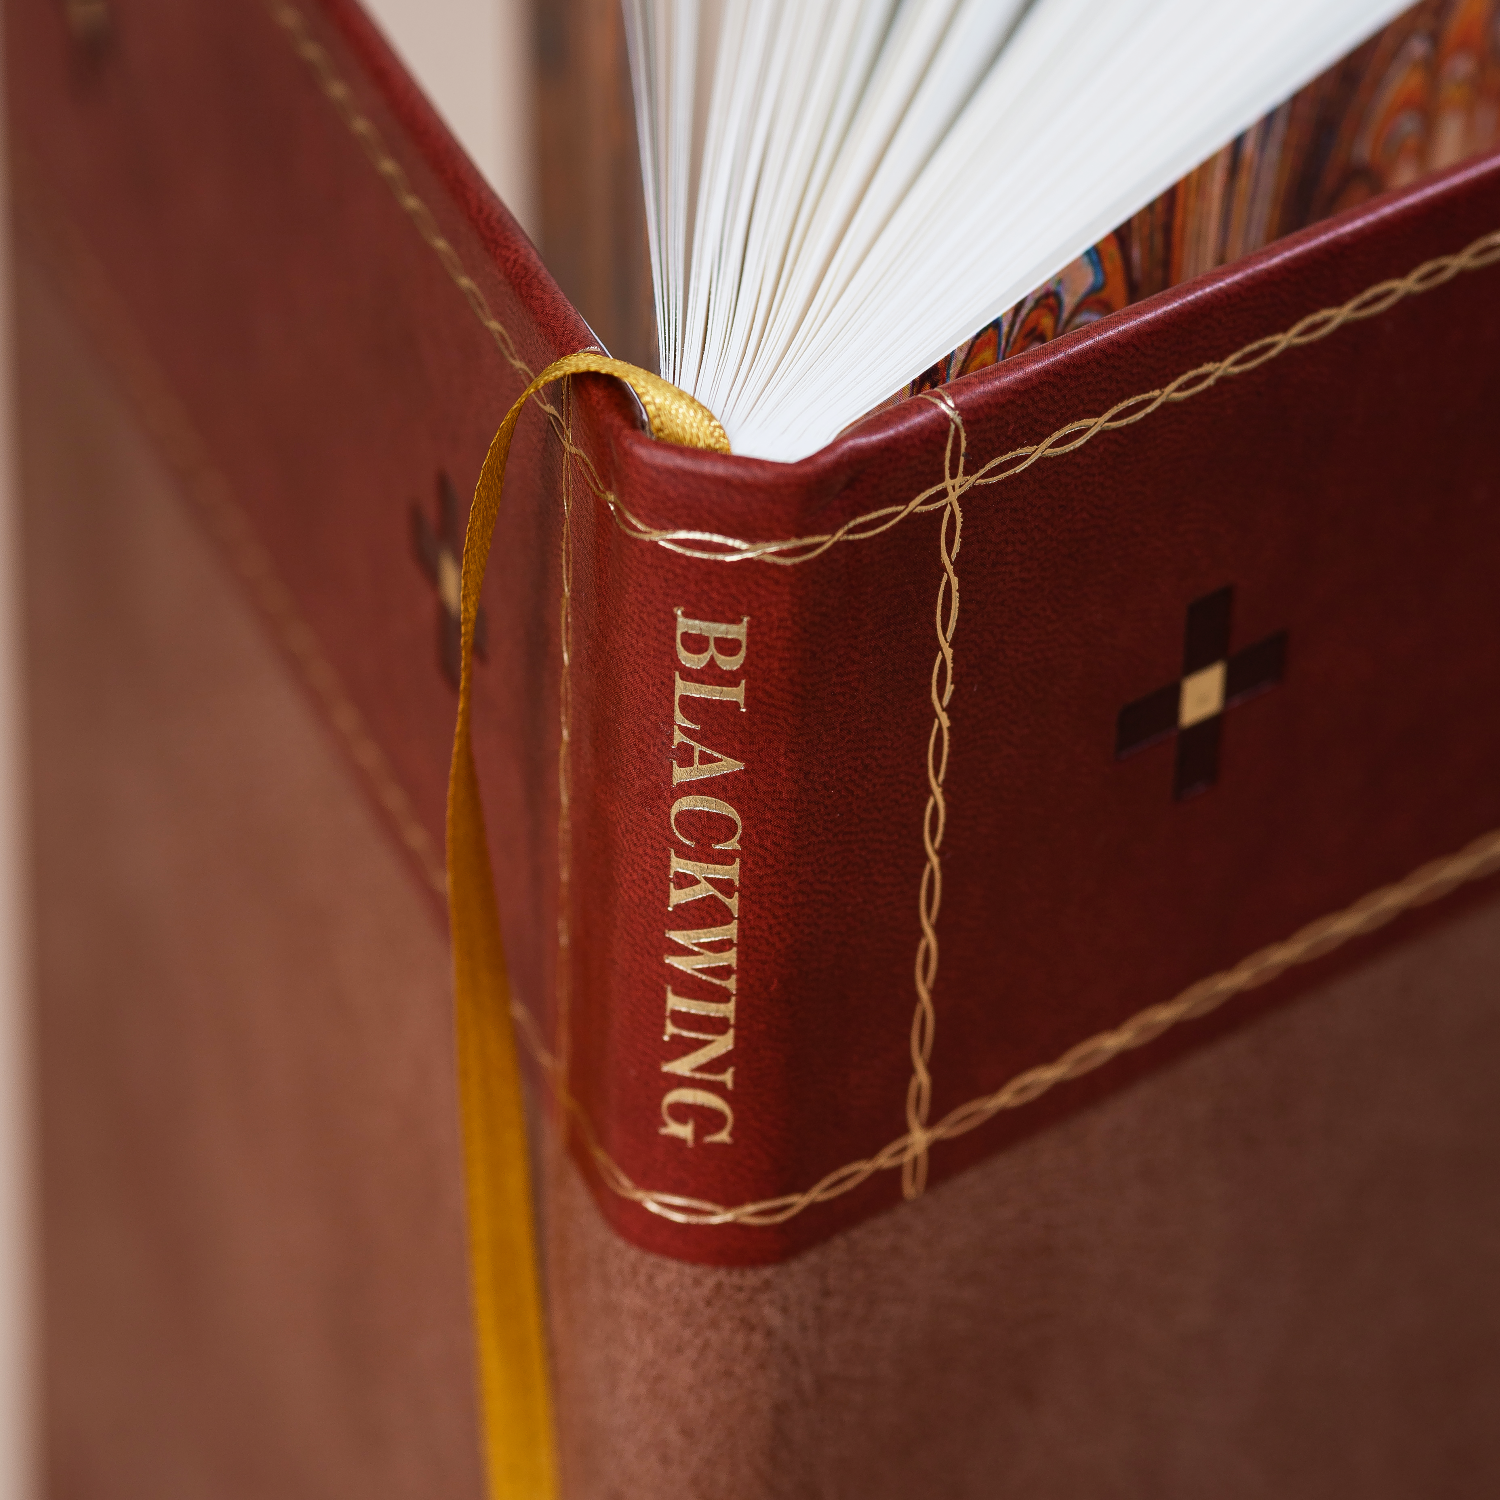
935, 815
364, 130
563, 1006
1374, 911
178, 442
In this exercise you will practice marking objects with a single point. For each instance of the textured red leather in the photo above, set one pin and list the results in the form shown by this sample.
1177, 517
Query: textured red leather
248, 1160
1345, 490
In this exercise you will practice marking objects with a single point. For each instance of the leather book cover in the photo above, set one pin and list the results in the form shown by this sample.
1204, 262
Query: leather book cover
1036, 760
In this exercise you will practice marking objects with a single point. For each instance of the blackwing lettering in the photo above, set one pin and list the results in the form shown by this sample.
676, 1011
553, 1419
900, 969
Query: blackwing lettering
704, 955
695, 1099
692, 802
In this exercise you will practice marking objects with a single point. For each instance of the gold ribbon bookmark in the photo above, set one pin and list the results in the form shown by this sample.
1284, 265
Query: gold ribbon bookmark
515, 1397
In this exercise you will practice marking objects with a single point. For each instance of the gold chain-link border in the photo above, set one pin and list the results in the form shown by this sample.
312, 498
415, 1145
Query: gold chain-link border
1427, 884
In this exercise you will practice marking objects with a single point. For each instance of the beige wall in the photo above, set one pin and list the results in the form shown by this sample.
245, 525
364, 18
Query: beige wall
473, 57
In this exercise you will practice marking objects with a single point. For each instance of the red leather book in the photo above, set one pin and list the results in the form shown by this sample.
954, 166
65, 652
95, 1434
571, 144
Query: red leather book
994, 908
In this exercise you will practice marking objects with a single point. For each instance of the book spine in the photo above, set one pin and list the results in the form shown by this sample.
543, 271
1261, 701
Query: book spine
745, 858
681, 747
664, 858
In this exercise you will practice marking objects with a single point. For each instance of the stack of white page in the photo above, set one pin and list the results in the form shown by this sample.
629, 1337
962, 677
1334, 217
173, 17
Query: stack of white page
838, 192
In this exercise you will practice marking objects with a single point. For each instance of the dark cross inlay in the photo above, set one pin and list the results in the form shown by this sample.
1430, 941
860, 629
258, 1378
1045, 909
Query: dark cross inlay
1193, 706
440, 553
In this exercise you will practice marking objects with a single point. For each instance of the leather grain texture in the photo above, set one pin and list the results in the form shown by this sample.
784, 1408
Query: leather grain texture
288, 273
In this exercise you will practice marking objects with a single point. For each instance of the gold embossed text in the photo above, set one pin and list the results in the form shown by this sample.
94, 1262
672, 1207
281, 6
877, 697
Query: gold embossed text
703, 882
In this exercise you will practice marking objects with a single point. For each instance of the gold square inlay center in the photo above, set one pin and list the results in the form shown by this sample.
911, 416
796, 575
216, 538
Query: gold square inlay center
449, 581
1202, 695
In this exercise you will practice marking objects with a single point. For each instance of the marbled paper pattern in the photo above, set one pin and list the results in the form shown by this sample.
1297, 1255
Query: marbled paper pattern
1421, 95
